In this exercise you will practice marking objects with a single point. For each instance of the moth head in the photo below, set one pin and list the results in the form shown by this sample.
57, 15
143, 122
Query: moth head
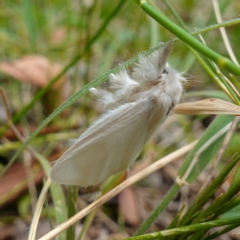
153, 69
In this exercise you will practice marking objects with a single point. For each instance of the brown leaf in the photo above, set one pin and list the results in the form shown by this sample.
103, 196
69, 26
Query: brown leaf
208, 106
13, 183
127, 206
58, 35
34, 69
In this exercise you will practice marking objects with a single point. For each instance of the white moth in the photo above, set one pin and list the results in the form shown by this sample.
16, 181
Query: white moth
137, 105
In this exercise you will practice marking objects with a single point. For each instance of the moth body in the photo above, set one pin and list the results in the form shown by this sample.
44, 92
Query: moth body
136, 105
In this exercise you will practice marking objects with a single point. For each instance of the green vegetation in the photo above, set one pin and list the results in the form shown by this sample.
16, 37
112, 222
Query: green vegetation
85, 41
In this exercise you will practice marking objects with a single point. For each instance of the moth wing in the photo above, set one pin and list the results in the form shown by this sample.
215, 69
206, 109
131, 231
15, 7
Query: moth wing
110, 145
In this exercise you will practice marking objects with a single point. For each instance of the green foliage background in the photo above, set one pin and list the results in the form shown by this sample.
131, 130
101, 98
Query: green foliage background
89, 38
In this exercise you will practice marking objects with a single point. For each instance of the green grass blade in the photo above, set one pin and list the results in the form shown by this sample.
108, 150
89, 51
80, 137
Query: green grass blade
206, 148
72, 209
186, 229
207, 93
159, 209
30, 22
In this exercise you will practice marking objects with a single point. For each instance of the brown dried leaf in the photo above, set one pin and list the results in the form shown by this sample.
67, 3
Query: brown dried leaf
34, 69
127, 206
58, 35
14, 183
208, 106
127, 198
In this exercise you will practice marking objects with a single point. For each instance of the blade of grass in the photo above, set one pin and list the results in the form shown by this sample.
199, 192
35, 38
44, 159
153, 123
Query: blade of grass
205, 156
224, 33
215, 26
159, 209
72, 209
207, 93
38, 209
186, 229
30, 22
220, 232
7, 147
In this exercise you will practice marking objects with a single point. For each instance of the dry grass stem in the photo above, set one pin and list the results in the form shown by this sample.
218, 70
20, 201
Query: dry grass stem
208, 106
223, 32
37, 212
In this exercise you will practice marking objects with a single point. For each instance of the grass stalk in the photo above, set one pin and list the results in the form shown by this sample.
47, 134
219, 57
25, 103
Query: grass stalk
165, 234
72, 209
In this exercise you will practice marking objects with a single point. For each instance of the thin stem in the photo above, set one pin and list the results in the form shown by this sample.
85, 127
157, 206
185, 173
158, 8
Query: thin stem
160, 208
37, 212
224, 33
72, 209
186, 229
87, 224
